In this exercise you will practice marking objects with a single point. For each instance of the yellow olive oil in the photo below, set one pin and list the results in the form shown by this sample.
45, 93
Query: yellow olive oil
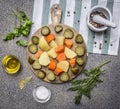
11, 64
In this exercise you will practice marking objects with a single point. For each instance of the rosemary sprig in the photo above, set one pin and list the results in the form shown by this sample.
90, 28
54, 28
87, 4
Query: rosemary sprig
84, 86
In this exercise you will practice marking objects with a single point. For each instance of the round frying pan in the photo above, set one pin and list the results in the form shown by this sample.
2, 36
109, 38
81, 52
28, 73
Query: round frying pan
56, 17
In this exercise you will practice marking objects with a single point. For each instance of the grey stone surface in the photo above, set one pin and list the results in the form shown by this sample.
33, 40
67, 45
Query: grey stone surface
104, 96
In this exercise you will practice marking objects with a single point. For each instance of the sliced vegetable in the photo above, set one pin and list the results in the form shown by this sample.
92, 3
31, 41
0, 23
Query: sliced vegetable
64, 65
68, 33
36, 65
68, 43
75, 70
79, 38
41, 74
32, 48
52, 53
31, 60
38, 54
80, 61
60, 40
35, 40
51, 76
59, 49
64, 77
43, 44
44, 59
45, 31
58, 28
52, 65
69, 53
80, 50
50, 37
53, 44
58, 71
61, 56
72, 62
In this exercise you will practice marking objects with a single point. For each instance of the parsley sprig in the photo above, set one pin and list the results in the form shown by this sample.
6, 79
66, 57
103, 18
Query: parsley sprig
23, 29
84, 86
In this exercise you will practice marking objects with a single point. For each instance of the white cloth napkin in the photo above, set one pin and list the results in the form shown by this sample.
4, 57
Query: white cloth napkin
74, 15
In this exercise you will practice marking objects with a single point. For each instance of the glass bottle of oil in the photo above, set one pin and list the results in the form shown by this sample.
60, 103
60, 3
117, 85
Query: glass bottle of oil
11, 64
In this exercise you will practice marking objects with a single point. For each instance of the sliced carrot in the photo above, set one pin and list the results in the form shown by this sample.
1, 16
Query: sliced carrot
72, 62
68, 43
50, 37
59, 49
61, 56
52, 65
38, 54
58, 71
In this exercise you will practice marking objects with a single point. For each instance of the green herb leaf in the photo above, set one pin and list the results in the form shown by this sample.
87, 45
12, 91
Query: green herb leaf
23, 43
84, 86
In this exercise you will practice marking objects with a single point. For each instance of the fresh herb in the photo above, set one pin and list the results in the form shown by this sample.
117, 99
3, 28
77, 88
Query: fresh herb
23, 29
84, 86
23, 43
23, 82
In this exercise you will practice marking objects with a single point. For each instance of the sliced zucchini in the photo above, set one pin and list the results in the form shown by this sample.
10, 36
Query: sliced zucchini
30, 60
79, 38
80, 61
74, 70
51, 76
41, 74
36, 65
80, 50
68, 33
45, 31
32, 48
64, 77
58, 28
35, 40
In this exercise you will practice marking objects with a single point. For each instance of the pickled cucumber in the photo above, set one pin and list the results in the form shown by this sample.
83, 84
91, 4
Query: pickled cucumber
32, 48
36, 65
51, 76
78, 39
80, 50
58, 28
64, 77
68, 34
41, 74
35, 40
30, 60
80, 61
75, 70
45, 31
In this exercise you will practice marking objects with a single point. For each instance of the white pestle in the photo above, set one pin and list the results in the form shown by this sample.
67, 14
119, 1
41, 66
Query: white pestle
101, 20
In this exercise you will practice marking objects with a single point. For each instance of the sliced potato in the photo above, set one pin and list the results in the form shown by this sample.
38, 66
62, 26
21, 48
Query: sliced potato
69, 53
64, 65
52, 53
43, 44
60, 40
53, 44
44, 59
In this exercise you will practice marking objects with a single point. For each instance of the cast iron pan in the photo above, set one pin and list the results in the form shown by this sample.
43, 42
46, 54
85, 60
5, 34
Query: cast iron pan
56, 16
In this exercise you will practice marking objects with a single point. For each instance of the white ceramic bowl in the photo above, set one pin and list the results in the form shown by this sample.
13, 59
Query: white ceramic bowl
102, 9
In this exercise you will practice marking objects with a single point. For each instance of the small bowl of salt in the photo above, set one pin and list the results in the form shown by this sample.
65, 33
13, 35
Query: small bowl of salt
41, 94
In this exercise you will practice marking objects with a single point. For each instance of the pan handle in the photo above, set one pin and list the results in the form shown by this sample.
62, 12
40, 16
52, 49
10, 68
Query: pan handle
56, 12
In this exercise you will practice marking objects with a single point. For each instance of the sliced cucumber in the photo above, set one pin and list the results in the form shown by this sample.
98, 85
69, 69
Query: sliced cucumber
79, 38
30, 60
58, 28
41, 74
45, 31
80, 51
35, 40
74, 70
51, 76
64, 77
36, 65
32, 48
80, 61
68, 33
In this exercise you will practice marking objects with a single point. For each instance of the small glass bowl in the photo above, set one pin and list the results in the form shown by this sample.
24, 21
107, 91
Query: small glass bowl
41, 94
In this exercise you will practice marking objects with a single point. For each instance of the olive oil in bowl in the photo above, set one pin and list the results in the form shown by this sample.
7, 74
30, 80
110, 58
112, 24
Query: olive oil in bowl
11, 64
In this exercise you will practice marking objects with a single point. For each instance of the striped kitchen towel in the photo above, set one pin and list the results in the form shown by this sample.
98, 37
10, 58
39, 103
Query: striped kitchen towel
74, 14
